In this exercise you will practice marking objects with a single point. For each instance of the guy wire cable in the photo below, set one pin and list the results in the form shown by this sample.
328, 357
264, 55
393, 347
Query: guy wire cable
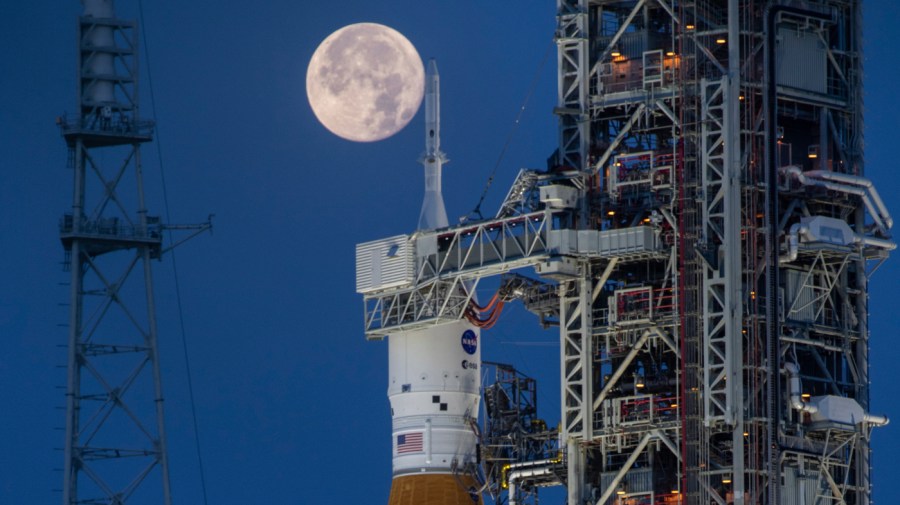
162, 173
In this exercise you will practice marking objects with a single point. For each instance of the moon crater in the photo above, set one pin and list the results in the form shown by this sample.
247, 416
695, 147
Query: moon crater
365, 82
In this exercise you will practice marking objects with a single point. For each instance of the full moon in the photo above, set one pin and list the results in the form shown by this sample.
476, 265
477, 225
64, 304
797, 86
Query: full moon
365, 82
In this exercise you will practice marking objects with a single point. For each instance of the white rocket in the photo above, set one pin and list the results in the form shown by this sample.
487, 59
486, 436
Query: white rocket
434, 373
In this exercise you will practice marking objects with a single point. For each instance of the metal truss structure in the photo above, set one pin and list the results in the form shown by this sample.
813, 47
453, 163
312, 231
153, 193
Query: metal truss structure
703, 239
115, 436
514, 439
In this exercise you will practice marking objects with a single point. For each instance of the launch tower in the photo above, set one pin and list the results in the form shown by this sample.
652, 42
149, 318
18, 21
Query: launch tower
703, 238
115, 435
733, 367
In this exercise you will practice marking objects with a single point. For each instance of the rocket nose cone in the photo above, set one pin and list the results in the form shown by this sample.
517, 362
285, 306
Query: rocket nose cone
431, 78
432, 67
434, 489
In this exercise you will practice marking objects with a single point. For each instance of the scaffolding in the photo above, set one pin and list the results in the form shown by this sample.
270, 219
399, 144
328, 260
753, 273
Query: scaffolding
515, 438
730, 133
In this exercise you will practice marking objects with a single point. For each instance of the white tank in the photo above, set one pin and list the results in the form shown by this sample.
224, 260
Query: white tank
434, 394
99, 91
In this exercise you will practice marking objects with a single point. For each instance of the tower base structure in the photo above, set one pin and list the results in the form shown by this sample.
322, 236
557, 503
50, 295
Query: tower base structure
434, 489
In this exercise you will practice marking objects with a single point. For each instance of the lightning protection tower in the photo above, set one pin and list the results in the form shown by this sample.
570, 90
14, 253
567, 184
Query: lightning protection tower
115, 435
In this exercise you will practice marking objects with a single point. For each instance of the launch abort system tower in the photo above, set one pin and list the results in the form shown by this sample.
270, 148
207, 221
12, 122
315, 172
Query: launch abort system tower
703, 237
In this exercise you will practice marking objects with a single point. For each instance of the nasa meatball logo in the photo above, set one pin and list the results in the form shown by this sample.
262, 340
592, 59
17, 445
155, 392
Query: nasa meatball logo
469, 342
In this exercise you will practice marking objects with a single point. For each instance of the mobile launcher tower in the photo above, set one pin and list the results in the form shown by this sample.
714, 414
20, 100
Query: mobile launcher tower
703, 239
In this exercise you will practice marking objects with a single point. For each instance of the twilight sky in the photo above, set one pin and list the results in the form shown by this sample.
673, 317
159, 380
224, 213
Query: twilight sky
290, 397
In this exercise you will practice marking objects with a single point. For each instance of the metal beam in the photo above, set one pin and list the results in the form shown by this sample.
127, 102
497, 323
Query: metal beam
625, 468
614, 378
615, 39
614, 145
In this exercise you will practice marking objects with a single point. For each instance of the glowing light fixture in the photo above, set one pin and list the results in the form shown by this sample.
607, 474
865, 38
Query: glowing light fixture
689, 27
721, 40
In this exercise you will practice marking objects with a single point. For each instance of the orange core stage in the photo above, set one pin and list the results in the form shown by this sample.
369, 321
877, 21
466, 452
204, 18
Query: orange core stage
434, 489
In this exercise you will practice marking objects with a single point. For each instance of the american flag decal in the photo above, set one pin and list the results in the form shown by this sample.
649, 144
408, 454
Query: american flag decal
409, 442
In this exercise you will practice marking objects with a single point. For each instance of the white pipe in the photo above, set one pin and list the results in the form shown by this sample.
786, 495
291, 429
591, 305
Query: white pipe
854, 191
530, 464
849, 184
876, 420
858, 181
877, 242
797, 403
794, 390
519, 474
806, 180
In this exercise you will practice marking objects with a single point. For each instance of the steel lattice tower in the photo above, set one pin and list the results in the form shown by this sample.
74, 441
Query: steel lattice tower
115, 432
736, 125
703, 238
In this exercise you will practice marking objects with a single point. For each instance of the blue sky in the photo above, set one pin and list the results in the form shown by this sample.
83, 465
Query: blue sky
290, 397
